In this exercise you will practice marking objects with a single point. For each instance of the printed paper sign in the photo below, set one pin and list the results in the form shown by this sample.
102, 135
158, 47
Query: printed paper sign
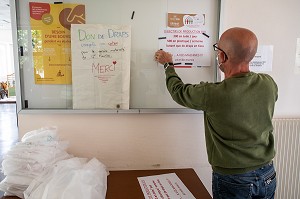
187, 39
51, 40
166, 186
263, 59
101, 66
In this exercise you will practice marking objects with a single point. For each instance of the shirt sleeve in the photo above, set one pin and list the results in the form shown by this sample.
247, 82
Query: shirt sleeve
188, 95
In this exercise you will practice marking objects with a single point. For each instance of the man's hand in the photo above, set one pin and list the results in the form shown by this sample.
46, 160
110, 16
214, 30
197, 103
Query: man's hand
163, 57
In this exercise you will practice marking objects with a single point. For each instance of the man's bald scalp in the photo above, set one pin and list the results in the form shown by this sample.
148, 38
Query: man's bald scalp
240, 45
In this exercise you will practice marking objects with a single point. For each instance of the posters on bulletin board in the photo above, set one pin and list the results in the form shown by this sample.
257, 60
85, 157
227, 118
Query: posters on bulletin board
51, 40
100, 66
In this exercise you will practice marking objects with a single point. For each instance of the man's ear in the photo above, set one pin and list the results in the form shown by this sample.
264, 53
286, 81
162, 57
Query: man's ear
222, 57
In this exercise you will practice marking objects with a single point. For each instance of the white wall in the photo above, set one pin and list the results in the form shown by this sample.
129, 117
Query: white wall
5, 36
6, 56
128, 141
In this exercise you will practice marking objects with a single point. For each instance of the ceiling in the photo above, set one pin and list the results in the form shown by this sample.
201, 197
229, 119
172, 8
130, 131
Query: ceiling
5, 15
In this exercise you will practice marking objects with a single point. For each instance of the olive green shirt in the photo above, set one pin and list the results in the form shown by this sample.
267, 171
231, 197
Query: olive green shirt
237, 116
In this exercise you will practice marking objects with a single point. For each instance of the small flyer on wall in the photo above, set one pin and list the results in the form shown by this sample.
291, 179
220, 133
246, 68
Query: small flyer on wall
187, 39
51, 40
165, 186
263, 59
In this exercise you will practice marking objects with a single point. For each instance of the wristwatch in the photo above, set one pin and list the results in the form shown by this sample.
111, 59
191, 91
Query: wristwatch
166, 65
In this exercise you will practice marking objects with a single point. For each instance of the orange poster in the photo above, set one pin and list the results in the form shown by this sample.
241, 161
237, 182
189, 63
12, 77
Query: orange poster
51, 40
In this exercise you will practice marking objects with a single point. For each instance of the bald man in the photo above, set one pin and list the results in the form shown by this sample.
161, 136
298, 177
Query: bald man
237, 115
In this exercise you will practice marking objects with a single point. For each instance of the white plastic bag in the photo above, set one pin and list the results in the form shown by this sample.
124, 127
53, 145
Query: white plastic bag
39, 150
45, 134
72, 178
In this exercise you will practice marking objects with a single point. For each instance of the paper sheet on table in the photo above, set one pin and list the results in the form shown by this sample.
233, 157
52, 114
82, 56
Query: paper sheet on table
167, 186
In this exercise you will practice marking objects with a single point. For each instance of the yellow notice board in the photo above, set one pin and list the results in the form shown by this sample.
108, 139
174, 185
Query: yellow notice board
51, 40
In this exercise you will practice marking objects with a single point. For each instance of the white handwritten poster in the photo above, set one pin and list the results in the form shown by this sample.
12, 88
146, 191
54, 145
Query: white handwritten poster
165, 186
100, 66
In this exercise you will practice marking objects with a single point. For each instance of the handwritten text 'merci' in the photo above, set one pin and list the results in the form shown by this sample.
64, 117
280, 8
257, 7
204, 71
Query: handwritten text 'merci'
103, 68
85, 36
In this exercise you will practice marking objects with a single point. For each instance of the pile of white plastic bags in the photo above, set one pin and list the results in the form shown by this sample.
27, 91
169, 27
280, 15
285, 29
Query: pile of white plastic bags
39, 167
73, 178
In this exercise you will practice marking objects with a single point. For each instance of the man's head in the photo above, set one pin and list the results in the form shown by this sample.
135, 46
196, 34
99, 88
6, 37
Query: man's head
240, 46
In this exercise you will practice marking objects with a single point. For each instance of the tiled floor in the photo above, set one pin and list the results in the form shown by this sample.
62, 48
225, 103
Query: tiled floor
10, 99
8, 130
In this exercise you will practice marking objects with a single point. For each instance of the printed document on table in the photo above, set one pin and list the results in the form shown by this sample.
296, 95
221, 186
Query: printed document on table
167, 186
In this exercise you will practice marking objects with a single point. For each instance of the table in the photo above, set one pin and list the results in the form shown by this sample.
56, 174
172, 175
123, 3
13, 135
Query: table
124, 184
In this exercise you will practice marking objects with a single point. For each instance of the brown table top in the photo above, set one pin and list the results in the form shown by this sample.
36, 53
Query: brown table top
124, 184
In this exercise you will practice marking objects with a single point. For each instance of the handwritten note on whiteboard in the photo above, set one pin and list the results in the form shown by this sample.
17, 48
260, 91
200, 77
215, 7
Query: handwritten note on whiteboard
100, 66
165, 186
